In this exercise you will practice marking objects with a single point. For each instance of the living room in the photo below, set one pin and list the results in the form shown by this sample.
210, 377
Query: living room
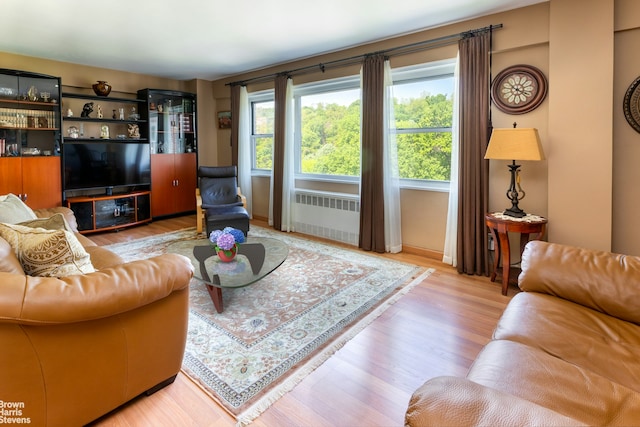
585, 187
556, 189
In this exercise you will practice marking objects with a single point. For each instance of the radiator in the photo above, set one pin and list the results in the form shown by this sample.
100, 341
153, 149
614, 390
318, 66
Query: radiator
333, 216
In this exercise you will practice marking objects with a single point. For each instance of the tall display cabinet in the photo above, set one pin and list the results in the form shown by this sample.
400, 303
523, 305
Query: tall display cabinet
106, 164
30, 137
171, 131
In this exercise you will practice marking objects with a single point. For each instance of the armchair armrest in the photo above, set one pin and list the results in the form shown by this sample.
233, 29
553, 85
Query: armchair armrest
77, 298
243, 198
603, 281
199, 212
450, 401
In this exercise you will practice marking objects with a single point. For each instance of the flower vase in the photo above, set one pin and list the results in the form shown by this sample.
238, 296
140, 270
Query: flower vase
227, 256
102, 88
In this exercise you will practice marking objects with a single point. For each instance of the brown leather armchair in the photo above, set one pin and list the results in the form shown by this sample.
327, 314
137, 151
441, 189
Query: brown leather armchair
75, 348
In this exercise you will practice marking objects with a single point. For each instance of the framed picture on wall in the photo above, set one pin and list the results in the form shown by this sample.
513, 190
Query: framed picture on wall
224, 119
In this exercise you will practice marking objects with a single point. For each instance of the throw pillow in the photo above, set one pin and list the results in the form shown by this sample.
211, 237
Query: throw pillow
52, 253
13, 210
8, 261
54, 222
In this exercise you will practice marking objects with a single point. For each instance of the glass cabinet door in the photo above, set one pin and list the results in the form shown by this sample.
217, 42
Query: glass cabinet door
172, 124
29, 114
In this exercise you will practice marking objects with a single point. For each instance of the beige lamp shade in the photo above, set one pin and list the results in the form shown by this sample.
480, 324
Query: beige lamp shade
515, 144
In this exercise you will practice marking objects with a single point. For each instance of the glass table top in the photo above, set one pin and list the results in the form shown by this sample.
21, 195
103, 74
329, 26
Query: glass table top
256, 258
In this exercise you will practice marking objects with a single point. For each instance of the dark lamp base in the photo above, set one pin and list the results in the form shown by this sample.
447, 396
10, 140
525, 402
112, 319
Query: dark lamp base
515, 212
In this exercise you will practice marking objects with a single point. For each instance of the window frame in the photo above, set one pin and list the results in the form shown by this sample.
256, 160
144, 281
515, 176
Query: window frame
253, 98
315, 88
419, 72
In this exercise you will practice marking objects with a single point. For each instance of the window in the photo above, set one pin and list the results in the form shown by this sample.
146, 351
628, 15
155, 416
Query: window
327, 128
423, 108
262, 119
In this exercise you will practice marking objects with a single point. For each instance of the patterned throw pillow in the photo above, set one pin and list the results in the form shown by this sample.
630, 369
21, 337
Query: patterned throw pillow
54, 222
51, 253
13, 210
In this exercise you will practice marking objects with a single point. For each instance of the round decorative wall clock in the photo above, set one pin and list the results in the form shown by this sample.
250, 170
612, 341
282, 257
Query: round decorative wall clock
519, 89
631, 105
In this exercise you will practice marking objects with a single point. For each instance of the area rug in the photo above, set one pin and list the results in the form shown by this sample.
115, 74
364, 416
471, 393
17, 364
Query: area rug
274, 332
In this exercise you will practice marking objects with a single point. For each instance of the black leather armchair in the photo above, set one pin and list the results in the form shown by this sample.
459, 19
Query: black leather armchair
219, 202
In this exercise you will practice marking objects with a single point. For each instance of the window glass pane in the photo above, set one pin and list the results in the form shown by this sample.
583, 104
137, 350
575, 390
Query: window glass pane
263, 113
424, 113
425, 155
330, 133
262, 124
263, 152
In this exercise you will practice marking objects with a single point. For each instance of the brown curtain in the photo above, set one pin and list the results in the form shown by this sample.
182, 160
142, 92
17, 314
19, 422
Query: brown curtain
279, 131
235, 113
371, 180
472, 253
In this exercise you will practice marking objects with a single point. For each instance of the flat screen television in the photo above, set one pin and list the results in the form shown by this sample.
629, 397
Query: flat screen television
90, 165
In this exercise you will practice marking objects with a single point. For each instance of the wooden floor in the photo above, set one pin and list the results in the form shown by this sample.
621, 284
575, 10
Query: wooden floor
436, 329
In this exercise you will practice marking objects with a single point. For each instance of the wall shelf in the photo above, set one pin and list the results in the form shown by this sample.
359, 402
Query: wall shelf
101, 98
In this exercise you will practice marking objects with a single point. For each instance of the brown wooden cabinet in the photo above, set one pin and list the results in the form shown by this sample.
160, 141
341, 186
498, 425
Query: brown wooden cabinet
173, 183
100, 213
36, 180
171, 131
30, 137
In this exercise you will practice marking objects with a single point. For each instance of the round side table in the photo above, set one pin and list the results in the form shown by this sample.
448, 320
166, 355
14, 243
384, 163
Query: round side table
500, 226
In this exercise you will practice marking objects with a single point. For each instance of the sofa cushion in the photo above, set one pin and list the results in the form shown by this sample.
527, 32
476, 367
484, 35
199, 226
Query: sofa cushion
54, 222
576, 334
13, 210
54, 253
68, 214
571, 390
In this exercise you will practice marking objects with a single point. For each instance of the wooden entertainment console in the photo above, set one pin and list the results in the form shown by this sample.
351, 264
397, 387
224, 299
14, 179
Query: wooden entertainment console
110, 212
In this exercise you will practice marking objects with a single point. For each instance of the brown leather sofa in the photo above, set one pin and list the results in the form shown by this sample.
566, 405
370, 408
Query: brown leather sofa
566, 351
74, 348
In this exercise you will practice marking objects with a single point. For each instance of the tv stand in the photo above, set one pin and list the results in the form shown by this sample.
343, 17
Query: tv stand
110, 212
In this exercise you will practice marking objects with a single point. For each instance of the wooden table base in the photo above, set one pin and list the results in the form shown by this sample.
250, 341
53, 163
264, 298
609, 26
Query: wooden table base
500, 228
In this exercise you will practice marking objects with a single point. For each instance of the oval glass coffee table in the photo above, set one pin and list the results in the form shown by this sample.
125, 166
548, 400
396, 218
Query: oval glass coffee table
256, 258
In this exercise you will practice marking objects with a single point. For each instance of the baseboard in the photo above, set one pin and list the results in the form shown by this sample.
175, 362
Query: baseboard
427, 253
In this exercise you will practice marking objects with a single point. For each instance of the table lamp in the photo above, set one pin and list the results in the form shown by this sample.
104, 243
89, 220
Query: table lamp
515, 144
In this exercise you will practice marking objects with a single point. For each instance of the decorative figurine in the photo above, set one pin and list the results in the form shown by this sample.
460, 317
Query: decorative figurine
99, 111
114, 116
134, 115
69, 112
73, 132
104, 132
33, 94
87, 109
121, 114
133, 130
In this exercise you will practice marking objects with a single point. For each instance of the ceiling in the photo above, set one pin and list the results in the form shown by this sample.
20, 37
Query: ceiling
212, 39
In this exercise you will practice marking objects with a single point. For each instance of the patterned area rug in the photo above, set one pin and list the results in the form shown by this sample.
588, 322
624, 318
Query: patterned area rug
274, 332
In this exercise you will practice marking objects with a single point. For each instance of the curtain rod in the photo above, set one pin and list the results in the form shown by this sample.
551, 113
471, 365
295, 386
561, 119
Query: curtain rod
399, 50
